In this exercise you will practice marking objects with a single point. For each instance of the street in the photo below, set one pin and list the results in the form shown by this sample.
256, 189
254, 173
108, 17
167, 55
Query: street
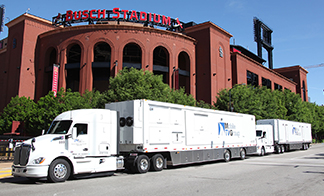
291, 173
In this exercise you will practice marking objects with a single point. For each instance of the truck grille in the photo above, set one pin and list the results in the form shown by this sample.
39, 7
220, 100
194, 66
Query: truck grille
21, 154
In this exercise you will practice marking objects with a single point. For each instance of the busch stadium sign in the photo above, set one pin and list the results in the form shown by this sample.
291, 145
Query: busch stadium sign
90, 16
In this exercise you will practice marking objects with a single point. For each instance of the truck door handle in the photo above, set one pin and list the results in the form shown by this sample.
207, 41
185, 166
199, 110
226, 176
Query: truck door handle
85, 149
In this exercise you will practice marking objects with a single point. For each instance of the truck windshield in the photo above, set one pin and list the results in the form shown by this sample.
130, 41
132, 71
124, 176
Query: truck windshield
59, 127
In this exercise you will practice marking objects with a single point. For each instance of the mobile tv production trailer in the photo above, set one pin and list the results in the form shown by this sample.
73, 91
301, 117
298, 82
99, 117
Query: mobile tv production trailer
275, 135
138, 135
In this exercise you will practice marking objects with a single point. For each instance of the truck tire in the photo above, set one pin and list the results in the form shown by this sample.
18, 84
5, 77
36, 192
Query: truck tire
278, 149
242, 154
142, 164
227, 156
157, 162
59, 171
282, 147
262, 151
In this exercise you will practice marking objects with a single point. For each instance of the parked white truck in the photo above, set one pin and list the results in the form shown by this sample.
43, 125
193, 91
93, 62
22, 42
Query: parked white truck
138, 135
276, 135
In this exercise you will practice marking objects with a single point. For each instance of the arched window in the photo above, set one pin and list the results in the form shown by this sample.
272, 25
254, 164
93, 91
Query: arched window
73, 68
101, 66
132, 56
184, 71
161, 63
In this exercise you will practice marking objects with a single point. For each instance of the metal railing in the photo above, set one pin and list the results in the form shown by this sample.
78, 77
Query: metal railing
7, 146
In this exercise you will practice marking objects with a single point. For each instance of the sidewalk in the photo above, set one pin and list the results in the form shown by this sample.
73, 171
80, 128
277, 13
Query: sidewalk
5, 168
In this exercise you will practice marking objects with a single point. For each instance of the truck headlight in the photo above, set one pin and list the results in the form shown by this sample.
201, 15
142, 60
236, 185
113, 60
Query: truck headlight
39, 160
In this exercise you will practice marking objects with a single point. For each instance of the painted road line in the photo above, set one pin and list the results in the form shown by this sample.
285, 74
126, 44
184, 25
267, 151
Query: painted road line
5, 173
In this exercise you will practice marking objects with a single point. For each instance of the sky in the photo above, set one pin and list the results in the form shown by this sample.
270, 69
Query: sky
297, 25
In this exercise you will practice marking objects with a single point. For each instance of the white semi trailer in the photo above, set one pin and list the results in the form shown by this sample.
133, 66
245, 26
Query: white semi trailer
276, 135
138, 135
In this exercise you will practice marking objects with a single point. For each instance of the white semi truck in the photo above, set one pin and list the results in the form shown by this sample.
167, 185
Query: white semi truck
139, 135
276, 135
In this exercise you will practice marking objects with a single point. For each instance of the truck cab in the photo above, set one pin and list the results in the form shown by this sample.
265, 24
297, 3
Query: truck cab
77, 142
264, 137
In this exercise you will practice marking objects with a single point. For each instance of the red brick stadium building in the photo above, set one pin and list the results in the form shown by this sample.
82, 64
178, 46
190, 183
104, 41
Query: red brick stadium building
198, 57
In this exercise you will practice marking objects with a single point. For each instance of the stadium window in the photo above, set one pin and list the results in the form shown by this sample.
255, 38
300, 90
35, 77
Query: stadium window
14, 43
304, 91
277, 87
252, 78
266, 83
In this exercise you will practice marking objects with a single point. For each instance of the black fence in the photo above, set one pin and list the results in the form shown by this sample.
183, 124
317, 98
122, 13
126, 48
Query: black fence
7, 145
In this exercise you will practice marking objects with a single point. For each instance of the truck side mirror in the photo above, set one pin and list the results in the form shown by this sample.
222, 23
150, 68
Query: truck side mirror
74, 132
43, 131
263, 135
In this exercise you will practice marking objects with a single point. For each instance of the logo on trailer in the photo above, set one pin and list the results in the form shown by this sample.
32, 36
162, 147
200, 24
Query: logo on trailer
223, 129
226, 129
295, 131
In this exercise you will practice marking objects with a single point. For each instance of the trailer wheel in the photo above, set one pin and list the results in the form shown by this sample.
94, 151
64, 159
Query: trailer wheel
157, 162
227, 156
242, 154
142, 164
59, 171
262, 151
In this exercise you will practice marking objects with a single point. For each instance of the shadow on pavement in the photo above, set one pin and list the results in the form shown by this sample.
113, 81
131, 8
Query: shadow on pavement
317, 156
19, 180
313, 172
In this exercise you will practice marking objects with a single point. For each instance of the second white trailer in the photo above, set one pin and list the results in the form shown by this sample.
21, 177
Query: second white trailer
155, 134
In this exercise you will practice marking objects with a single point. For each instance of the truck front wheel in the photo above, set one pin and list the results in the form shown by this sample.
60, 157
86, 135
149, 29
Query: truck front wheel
282, 148
278, 149
59, 171
142, 164
262, 151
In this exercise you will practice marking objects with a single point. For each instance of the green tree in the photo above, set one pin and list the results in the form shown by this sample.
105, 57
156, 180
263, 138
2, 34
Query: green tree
202, 104
244, 99
49, 106
19, 109
38, 116
131, 84
296, 110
